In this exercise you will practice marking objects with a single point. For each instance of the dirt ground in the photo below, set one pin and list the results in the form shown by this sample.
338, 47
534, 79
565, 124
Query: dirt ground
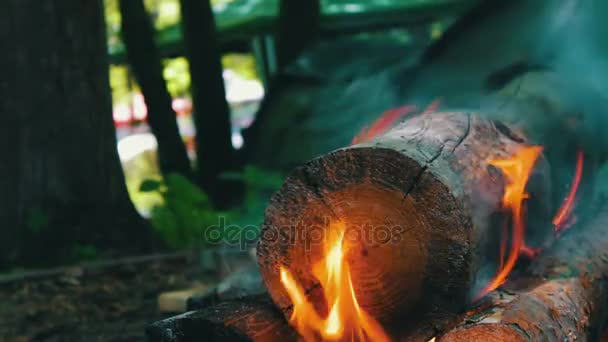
105, 304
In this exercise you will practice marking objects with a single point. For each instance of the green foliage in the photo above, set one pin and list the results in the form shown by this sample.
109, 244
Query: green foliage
258, 180
113, 20
177, 75
242, 64
259, 186
138, 169
150, 185
120, 83
164, 13
184, 214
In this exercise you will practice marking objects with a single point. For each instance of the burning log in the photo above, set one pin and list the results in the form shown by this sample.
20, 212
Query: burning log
416, 209
563, 299
252, 318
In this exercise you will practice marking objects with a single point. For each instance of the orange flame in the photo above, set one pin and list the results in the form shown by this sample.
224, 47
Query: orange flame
564, 212
517, 170
432, 107
388, 120
383, 124
346, 319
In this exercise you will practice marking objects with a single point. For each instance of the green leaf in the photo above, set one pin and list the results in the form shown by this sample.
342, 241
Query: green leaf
150, 185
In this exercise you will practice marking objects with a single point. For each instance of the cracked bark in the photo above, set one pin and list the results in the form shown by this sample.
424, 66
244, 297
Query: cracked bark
419, 199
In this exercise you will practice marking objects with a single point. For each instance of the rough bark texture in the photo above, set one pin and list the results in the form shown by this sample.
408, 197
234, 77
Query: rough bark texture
563, 299
421, 200
298, 28
144, 58
246, 319
60, 176
214, 151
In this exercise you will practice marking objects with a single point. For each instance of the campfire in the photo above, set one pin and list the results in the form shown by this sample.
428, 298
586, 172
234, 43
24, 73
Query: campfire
516, 170
438, 228
346, 319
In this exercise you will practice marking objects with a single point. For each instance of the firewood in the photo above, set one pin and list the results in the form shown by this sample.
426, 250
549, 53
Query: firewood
252, 318
177, 301
563, 299
420, 201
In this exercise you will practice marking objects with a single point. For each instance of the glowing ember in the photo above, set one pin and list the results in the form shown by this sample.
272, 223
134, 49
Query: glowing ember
516, 170
564, 212
383, 124
346, 319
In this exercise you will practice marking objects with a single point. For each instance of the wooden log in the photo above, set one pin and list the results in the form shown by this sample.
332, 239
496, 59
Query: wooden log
251, 318
563, 299
421, 202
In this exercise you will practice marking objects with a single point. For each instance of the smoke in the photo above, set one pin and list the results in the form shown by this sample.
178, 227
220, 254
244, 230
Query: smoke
541, 66
561, 103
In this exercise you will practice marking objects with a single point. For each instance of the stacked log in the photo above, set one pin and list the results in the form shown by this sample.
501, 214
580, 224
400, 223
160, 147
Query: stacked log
253, 318
562, 298
431, 181
423, 203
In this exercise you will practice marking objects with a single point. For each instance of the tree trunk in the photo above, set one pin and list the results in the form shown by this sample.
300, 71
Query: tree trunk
422, 201
563, 299
61, 178
298, 27
144, 58
214, 151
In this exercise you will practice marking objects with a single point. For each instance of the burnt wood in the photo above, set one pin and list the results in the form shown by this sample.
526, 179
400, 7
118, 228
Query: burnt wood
252, 318
564, 298
422, 201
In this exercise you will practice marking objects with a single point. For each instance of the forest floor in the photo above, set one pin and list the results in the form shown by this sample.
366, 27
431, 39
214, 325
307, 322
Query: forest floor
107, 304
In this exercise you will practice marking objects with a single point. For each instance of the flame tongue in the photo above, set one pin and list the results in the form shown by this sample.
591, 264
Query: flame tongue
346, 320
516, 170
563, 215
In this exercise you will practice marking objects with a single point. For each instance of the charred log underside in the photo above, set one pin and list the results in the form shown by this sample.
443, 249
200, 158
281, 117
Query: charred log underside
250, 318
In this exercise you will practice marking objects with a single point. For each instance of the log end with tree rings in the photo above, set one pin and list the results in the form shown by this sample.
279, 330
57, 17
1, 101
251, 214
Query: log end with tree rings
420, 207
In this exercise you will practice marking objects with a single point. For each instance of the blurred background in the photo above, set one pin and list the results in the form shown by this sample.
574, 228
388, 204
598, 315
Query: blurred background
327, 44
